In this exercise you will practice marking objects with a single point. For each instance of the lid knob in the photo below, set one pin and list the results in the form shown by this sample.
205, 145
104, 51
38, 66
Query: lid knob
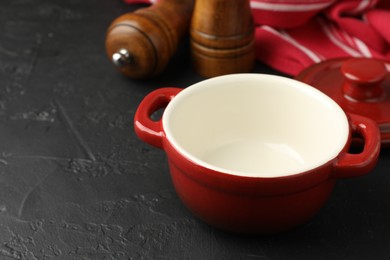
363, 78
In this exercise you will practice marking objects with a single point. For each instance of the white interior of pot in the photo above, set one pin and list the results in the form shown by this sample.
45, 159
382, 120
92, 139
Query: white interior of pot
255, 125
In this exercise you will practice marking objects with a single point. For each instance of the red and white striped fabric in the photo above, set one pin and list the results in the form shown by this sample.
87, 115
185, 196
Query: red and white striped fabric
293, 34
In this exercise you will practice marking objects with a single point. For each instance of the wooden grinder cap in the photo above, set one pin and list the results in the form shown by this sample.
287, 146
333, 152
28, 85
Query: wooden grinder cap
222, 37
140, 44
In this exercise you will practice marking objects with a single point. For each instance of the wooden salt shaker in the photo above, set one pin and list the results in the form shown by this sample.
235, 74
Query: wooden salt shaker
140, 44
222, 37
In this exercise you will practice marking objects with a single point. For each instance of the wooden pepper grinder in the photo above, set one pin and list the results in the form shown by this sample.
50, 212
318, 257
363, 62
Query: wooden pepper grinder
222, 37
140, 44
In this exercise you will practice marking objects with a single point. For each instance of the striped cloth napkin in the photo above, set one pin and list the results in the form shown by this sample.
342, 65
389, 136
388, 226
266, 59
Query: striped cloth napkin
294, 34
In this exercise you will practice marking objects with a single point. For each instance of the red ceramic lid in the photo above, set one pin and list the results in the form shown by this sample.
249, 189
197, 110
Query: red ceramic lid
358, 85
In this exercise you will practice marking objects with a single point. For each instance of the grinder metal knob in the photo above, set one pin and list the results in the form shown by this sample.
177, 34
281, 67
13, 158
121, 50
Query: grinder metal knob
121, 58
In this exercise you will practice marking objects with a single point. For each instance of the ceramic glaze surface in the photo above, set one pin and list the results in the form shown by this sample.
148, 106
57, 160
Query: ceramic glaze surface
255, 156
237, 125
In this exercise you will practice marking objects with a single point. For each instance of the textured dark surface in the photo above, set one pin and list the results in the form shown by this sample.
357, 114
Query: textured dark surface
76, 183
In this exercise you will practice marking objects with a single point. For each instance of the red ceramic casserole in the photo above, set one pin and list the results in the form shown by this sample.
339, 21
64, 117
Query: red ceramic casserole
255, 153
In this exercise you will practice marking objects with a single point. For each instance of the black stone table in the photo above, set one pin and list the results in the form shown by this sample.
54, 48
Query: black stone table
76, 183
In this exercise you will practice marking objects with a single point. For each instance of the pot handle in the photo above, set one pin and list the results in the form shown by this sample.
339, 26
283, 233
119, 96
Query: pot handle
148, 130
351, 165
